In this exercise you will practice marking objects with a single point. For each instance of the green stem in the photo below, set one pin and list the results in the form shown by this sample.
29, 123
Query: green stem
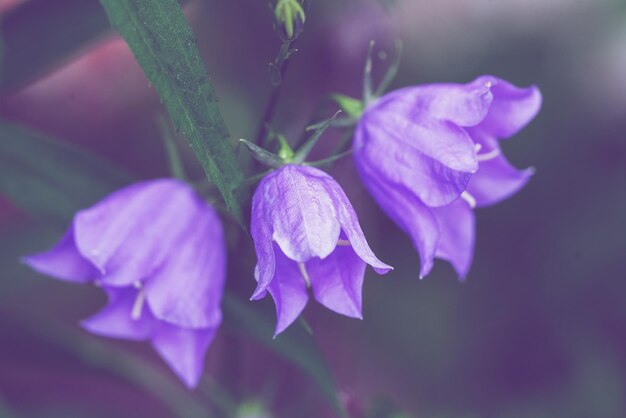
367, 76
174, 160
392, 71
328, 161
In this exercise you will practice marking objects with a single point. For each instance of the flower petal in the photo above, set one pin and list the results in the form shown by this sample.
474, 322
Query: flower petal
187, 289
337, 281
407, 211
260, 229
462, 104
433, 158
456, 242
301, 214
63, 262
497, 180
350, 225
183, 350
129, 234
115, 319
512, 108
288, 289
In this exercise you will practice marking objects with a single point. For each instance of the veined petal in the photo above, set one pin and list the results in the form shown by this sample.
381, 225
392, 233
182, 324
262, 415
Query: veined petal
461, 104
288, 289
350, 225
337, 281
261, 232
407, 211
116, 321
63, 262
183, 350
456, 242
433, 158
129, 234
497, 180
512, 108
301, 214
187, 289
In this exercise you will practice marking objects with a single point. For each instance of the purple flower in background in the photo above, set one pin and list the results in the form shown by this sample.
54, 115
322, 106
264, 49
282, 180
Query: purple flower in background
306, 234
419, 149
157, 250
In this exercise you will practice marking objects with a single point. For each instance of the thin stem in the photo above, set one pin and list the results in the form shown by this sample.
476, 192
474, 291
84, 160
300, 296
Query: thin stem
367, 76
328, 161
305, 324
335, 123
305, 149
281, 64
392, 71
253, 179
173, 155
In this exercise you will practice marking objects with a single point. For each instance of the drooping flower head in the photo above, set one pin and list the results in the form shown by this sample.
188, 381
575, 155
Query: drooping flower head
429, 154
306, 234
157, 250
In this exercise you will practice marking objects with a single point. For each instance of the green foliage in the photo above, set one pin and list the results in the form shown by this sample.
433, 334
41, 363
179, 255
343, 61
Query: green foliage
295, 344
288, 12
50, 179
353, 107
163, 43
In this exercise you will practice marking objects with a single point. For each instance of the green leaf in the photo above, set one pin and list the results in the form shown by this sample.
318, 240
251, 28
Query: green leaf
295, 344
163, 43
51, 179
353, 107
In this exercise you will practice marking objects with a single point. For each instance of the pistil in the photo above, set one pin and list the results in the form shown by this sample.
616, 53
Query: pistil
304, 274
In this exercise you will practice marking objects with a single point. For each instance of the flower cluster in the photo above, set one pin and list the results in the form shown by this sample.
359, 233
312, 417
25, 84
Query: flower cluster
427, 154
430, 154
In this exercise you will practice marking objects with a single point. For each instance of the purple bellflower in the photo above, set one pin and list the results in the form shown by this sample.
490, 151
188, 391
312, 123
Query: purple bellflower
157, 250
430, 154
307, 235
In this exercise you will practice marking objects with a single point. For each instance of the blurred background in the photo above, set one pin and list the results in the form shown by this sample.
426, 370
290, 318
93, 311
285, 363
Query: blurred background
537, 330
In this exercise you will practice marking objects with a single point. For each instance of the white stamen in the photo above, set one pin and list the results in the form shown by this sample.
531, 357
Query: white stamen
137, 284
304, 274
138, 305
488, 84
343, 243
471, 200
488, 155
477, 147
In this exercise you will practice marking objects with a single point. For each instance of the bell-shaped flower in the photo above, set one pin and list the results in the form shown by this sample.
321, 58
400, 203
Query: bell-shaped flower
430, 154
307, 235
157, 250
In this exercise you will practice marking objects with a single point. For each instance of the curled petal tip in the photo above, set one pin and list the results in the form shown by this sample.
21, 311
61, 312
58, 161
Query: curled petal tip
258, 294
382, 268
